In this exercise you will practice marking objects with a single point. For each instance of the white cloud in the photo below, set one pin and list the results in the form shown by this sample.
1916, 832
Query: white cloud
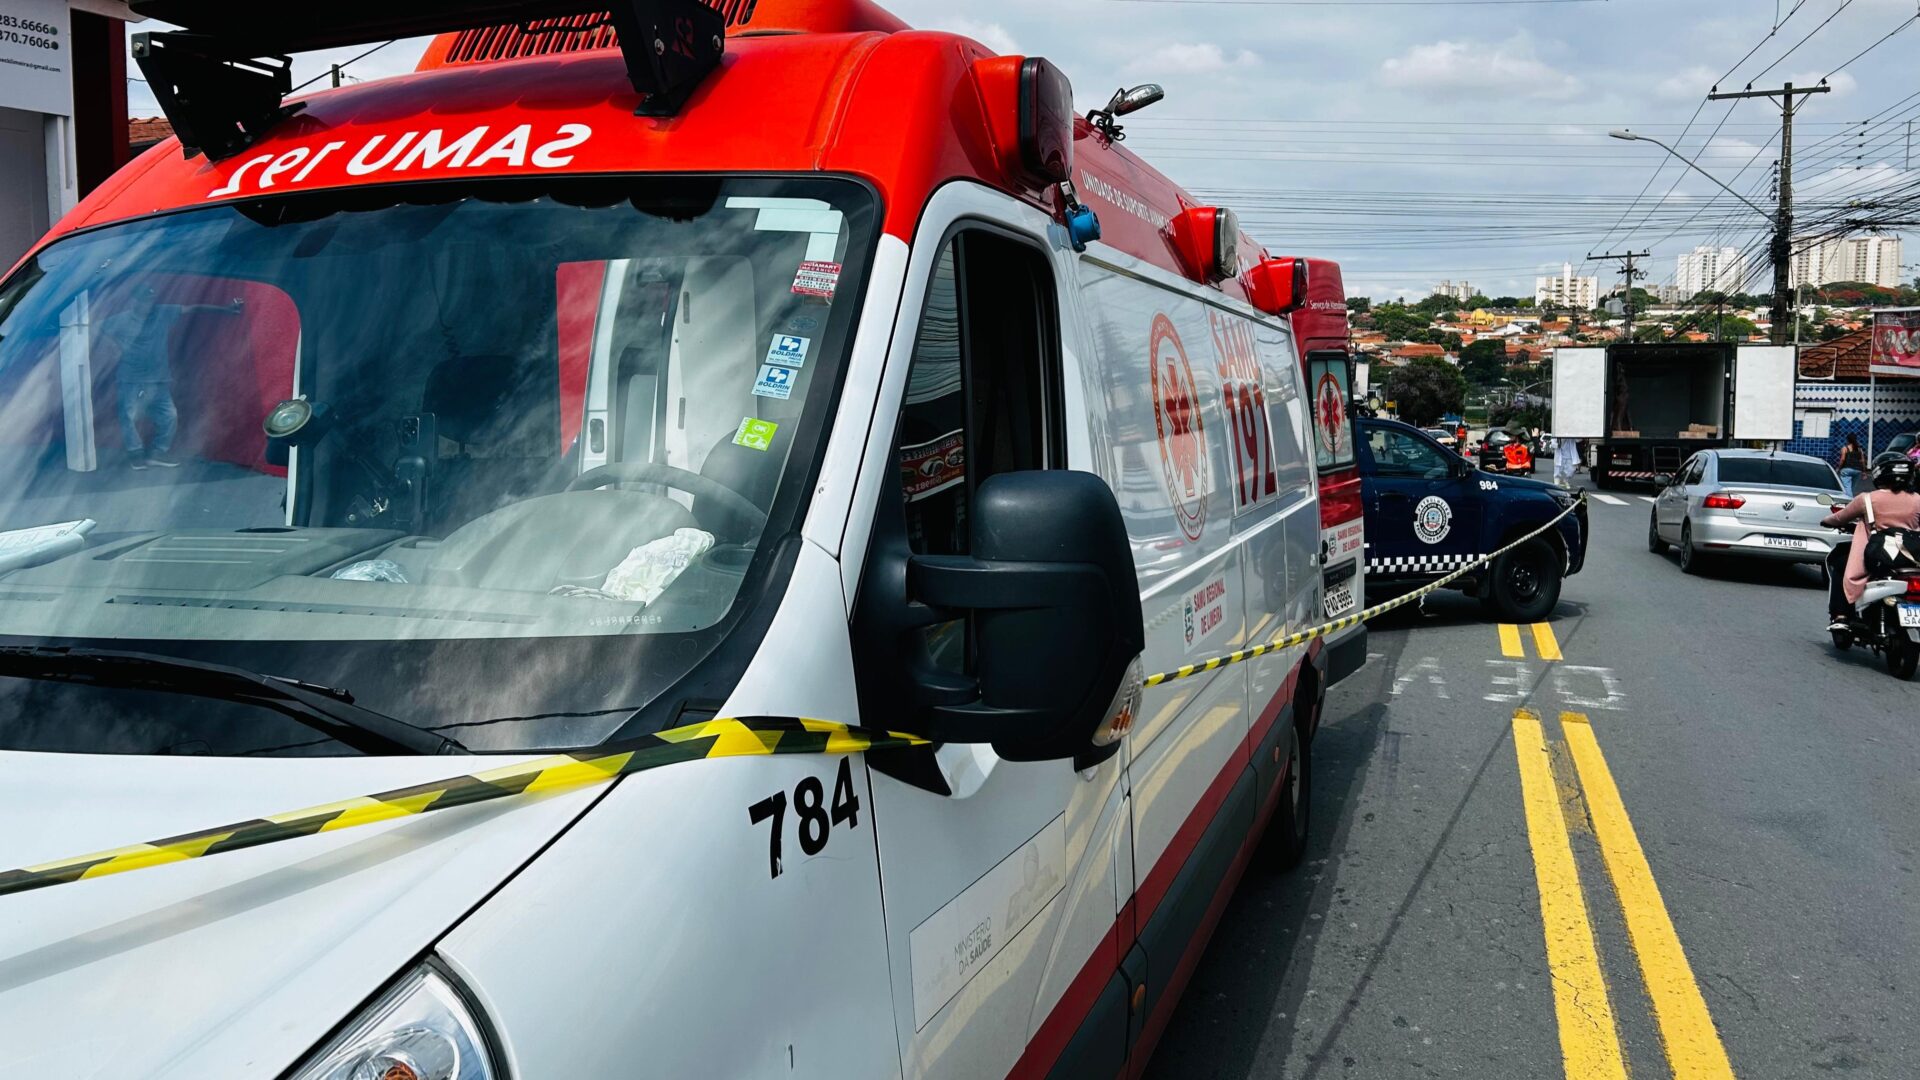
1205, 58
1689, 84
1460, 67
991, 34
1863, 183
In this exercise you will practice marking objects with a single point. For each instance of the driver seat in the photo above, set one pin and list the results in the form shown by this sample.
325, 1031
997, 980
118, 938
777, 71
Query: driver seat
753, 474
500, 411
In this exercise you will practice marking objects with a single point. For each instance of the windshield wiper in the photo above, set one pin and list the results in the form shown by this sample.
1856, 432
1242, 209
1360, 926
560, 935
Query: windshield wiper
322, 708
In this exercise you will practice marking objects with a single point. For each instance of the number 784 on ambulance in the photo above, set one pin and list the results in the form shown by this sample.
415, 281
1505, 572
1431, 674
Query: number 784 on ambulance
614, 375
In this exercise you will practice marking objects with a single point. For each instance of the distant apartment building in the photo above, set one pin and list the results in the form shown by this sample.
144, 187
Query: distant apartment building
1458, 290
1874, 260
1565, 291
1710, 269
1668, 294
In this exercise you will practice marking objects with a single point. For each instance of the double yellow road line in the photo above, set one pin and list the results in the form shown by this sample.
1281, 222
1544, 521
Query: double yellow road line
1546, 646
1589, 1040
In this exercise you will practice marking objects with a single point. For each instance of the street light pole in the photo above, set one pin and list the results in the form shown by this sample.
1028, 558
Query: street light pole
1781, 250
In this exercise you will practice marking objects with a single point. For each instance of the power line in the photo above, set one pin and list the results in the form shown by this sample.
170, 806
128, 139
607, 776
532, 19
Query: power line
338, 67
1870, 48
1844, 4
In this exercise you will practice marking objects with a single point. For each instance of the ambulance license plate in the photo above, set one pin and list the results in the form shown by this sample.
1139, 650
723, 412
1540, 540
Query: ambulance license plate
1910, 614
1791, 542
1339, 599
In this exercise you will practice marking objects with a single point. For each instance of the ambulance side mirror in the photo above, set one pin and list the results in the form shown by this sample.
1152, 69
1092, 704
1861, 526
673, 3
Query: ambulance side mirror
1056, 617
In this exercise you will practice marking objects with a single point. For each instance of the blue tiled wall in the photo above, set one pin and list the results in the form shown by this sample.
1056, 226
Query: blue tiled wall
1898, 411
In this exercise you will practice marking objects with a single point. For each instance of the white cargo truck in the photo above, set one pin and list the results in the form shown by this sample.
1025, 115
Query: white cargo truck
1645, 408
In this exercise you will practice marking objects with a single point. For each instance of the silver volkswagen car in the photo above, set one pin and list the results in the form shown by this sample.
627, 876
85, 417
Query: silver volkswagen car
1751, 503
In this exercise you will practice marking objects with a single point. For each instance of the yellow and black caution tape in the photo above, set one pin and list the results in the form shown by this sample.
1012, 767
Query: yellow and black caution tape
1337, 625
732, 737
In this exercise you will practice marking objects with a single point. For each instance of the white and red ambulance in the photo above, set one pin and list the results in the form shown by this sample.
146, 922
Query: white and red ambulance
616, 370
1320, 327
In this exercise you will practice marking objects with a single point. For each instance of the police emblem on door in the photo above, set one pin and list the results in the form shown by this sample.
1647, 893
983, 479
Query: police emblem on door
1432, 519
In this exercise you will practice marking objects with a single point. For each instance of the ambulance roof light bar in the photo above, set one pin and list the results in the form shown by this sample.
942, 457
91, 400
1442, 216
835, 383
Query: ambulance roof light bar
221, 77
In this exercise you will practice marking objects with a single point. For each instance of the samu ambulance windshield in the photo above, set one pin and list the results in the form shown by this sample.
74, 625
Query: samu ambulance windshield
478, 454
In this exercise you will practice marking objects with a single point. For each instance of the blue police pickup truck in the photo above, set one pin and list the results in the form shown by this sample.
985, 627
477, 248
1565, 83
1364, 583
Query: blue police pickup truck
1430, 512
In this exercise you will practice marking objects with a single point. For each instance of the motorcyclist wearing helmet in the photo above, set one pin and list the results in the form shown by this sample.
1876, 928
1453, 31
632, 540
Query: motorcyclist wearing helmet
1892, 504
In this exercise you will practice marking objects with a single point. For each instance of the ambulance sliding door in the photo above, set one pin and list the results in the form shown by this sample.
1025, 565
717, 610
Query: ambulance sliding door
1168, 455
1279, 526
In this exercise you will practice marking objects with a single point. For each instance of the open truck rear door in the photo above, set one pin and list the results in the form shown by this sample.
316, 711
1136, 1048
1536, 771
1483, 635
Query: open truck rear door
1763, 377
1580, 393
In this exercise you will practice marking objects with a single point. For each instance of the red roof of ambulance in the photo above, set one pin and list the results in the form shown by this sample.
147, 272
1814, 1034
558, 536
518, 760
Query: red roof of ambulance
903, 109
1321, 323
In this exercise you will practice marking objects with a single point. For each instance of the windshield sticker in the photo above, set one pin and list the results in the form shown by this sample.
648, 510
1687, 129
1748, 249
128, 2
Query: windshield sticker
409, 151
1432, 519
803, 324
774, 382
755, 434
816, 278
788, 350
928, 468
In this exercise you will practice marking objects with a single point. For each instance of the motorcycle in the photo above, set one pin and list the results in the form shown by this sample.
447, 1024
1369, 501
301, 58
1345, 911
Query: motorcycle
1887, 618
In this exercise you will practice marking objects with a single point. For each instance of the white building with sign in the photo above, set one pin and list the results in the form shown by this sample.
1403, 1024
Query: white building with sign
40, 174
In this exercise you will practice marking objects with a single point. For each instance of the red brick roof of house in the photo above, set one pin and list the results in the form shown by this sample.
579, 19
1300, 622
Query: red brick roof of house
147, 130
1844, 359
1410, 351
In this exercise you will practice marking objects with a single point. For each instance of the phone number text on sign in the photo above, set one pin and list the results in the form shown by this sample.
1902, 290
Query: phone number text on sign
11, 37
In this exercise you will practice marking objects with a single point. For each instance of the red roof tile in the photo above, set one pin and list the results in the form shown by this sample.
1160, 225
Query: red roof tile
1844, 359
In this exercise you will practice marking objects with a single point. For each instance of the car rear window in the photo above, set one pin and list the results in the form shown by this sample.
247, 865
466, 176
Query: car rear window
1805, 474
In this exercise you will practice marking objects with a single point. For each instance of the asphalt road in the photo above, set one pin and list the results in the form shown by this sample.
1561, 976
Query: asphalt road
1730, 891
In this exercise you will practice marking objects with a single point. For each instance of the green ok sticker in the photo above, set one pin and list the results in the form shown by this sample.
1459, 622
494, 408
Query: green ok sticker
755, 434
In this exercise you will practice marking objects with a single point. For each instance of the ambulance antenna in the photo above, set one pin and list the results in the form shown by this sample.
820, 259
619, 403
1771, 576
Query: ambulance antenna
1124, 101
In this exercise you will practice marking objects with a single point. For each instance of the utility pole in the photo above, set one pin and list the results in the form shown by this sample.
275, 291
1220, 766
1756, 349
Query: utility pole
1782, 248
1626, 298
336, 76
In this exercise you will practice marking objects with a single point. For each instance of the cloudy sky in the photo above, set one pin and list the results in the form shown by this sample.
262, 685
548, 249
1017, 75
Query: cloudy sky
1426, 140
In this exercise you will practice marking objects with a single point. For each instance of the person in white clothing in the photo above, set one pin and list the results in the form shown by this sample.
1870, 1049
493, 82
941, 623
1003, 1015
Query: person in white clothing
1566, 458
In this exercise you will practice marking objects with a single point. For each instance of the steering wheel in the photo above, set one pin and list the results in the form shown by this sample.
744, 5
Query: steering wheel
733, 505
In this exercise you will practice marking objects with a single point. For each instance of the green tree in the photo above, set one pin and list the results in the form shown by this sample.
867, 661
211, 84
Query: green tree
1506, 302
1427, 389
1478, 300
1523, 302
1397, 322
1484, 362
1435, 306
1357, 305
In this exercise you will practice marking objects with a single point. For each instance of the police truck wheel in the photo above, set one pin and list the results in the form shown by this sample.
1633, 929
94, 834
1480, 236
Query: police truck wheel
1654, 543
1526, 582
